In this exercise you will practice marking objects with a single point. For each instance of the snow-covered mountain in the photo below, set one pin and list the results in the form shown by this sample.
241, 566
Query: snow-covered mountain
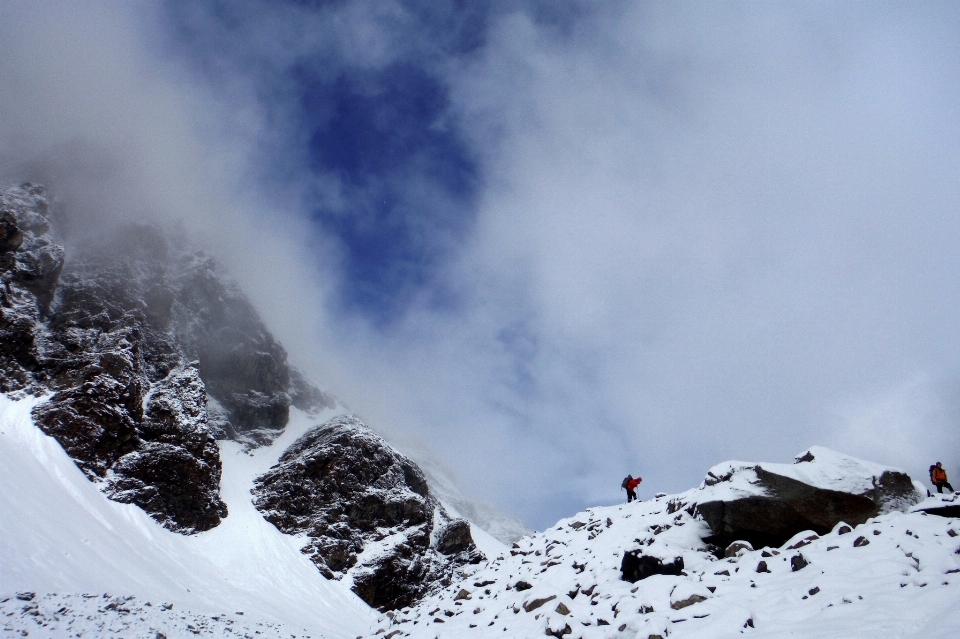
166, 473
149, 367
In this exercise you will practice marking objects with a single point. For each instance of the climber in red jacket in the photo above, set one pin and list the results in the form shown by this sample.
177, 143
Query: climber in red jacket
630, 484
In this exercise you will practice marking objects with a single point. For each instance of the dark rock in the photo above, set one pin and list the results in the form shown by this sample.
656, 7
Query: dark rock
843, 530
798, 562
948, 510
522, 585
762, 567
861, 541
345, 488
566, 630
530, 606
689, 601
779, 506
636, 566
455, 537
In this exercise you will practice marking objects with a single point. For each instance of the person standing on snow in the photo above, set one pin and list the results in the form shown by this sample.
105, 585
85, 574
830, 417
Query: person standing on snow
630, 484
939, 478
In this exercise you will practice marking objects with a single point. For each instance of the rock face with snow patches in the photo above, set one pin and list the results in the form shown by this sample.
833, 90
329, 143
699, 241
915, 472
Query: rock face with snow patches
148, 357
367, 513
767, 504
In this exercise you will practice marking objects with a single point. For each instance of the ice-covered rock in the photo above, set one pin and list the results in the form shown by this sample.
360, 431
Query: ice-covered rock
367, 514
766, 504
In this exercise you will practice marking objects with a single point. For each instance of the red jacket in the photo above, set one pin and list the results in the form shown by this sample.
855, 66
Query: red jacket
633, 483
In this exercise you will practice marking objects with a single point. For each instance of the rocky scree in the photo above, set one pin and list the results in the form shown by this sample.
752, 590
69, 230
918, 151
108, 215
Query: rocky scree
138, 342
367, 514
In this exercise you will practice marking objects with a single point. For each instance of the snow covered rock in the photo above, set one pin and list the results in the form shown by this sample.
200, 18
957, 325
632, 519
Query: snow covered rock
367, 514
766, 504
138, 340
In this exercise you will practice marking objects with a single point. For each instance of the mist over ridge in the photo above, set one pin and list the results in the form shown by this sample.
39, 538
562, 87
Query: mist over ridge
550, 246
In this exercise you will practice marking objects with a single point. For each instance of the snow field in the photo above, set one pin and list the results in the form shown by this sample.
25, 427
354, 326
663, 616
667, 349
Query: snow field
59, 534
897, 575
51, 615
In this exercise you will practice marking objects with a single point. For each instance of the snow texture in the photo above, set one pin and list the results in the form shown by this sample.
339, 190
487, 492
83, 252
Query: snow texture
61, 539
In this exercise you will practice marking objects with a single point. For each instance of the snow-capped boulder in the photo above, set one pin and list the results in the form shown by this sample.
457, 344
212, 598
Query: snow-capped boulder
367, 514
766, 504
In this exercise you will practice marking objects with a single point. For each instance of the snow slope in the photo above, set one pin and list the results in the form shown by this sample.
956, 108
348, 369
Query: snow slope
58, 534
897, 575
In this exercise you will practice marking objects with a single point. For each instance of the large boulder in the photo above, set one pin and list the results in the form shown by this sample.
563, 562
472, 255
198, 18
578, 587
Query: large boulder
766, 504
366, 514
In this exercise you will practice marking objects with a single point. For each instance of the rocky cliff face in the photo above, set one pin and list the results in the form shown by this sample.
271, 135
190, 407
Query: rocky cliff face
367, 513
148, 356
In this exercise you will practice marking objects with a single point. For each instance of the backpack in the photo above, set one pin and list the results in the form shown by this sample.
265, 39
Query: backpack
932, 468
626, 480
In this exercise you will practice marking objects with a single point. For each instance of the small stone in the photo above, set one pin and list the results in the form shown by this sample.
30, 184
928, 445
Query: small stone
530, 606
803, 542
861, 541
26, 596
762, 567
814, 590
844, 529
463, 594
689, 601
562, 609
522, 585
797, 562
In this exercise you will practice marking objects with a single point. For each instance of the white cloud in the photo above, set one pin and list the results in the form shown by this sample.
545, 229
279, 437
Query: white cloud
702, 228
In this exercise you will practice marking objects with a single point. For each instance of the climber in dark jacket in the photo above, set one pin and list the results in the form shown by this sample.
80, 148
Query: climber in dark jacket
630, 484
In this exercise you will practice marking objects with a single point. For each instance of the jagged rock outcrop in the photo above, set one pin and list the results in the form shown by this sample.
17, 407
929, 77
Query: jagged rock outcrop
367, 513
766, 504
139, 342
